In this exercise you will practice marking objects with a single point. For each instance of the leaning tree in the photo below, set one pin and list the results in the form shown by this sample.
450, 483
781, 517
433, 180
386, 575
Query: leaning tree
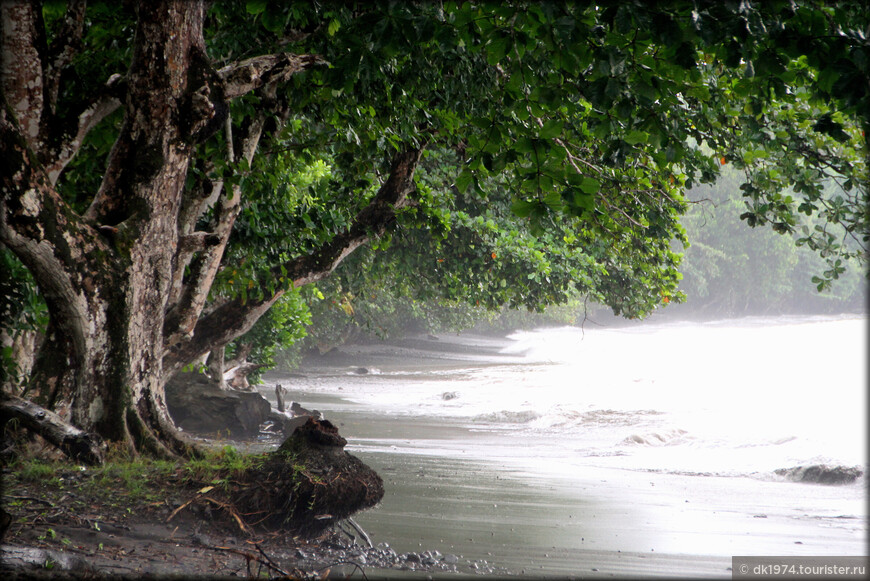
134, 138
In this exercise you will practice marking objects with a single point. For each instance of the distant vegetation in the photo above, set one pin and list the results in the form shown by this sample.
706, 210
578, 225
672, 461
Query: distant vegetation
731, 271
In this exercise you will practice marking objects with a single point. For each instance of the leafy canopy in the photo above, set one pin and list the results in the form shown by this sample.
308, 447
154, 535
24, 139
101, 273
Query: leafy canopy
560, 137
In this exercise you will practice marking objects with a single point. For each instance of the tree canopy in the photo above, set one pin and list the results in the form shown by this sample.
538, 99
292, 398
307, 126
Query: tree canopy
170, 172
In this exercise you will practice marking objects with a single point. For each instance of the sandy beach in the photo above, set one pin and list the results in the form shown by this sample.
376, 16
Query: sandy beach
497, 508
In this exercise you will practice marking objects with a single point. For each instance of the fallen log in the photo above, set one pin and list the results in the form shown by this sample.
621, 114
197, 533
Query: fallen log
32, 559
76, 444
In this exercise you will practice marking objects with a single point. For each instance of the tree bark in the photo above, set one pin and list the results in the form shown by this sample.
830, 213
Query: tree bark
105, 275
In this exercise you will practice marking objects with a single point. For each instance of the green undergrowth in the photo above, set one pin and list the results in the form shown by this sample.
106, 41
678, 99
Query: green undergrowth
221, 466
134, 478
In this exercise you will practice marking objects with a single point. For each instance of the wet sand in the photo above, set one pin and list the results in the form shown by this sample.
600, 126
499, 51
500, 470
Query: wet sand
466, 492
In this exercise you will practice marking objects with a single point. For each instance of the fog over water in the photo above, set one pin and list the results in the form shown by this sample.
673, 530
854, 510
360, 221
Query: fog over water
712, 408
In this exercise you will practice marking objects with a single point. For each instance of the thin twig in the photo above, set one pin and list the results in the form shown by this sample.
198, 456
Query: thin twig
346, 562
360, 530
274, 566
33, 498
251, 557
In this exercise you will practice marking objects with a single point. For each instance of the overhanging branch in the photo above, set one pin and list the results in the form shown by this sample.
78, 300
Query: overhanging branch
235, 317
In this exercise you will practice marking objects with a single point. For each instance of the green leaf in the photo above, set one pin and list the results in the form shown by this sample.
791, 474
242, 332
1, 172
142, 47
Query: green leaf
273, 21
524, 145
497, 49
590, 185
635, 136
553, 200
552, 128
585, 201
463, 180
522, 208
255, 6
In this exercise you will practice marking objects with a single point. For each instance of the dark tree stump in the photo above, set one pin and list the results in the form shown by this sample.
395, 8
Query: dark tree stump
307, 484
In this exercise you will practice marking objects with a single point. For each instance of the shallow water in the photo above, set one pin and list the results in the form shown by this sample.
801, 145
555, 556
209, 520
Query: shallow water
635, 450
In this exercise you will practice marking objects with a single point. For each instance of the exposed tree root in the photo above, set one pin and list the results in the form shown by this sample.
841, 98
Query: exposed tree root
307, 485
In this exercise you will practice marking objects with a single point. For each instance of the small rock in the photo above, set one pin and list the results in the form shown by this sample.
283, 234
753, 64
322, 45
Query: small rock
822, 474
451, 559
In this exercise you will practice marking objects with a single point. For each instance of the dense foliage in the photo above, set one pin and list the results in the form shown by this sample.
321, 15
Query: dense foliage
548, 147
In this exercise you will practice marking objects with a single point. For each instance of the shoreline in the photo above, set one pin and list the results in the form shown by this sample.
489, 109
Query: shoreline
442, 475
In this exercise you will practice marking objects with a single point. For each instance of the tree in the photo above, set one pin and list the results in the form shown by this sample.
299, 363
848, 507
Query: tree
134, 139
731, 271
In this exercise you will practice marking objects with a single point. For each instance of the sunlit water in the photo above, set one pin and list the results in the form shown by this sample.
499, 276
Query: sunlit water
731, 398
569, 449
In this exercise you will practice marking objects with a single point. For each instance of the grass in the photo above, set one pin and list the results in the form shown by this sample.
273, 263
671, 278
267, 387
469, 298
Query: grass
137, 477
36, 470
218, 466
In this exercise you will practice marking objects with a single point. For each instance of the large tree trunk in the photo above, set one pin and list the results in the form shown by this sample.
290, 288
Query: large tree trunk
106, 275
126, 283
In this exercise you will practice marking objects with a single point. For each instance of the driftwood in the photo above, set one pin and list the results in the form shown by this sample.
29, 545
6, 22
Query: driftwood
76, 444
279, 395
236, 377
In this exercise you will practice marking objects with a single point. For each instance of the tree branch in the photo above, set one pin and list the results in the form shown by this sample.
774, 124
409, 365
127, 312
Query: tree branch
250, 74
62, 50
182, 316
233, 318
67, 145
